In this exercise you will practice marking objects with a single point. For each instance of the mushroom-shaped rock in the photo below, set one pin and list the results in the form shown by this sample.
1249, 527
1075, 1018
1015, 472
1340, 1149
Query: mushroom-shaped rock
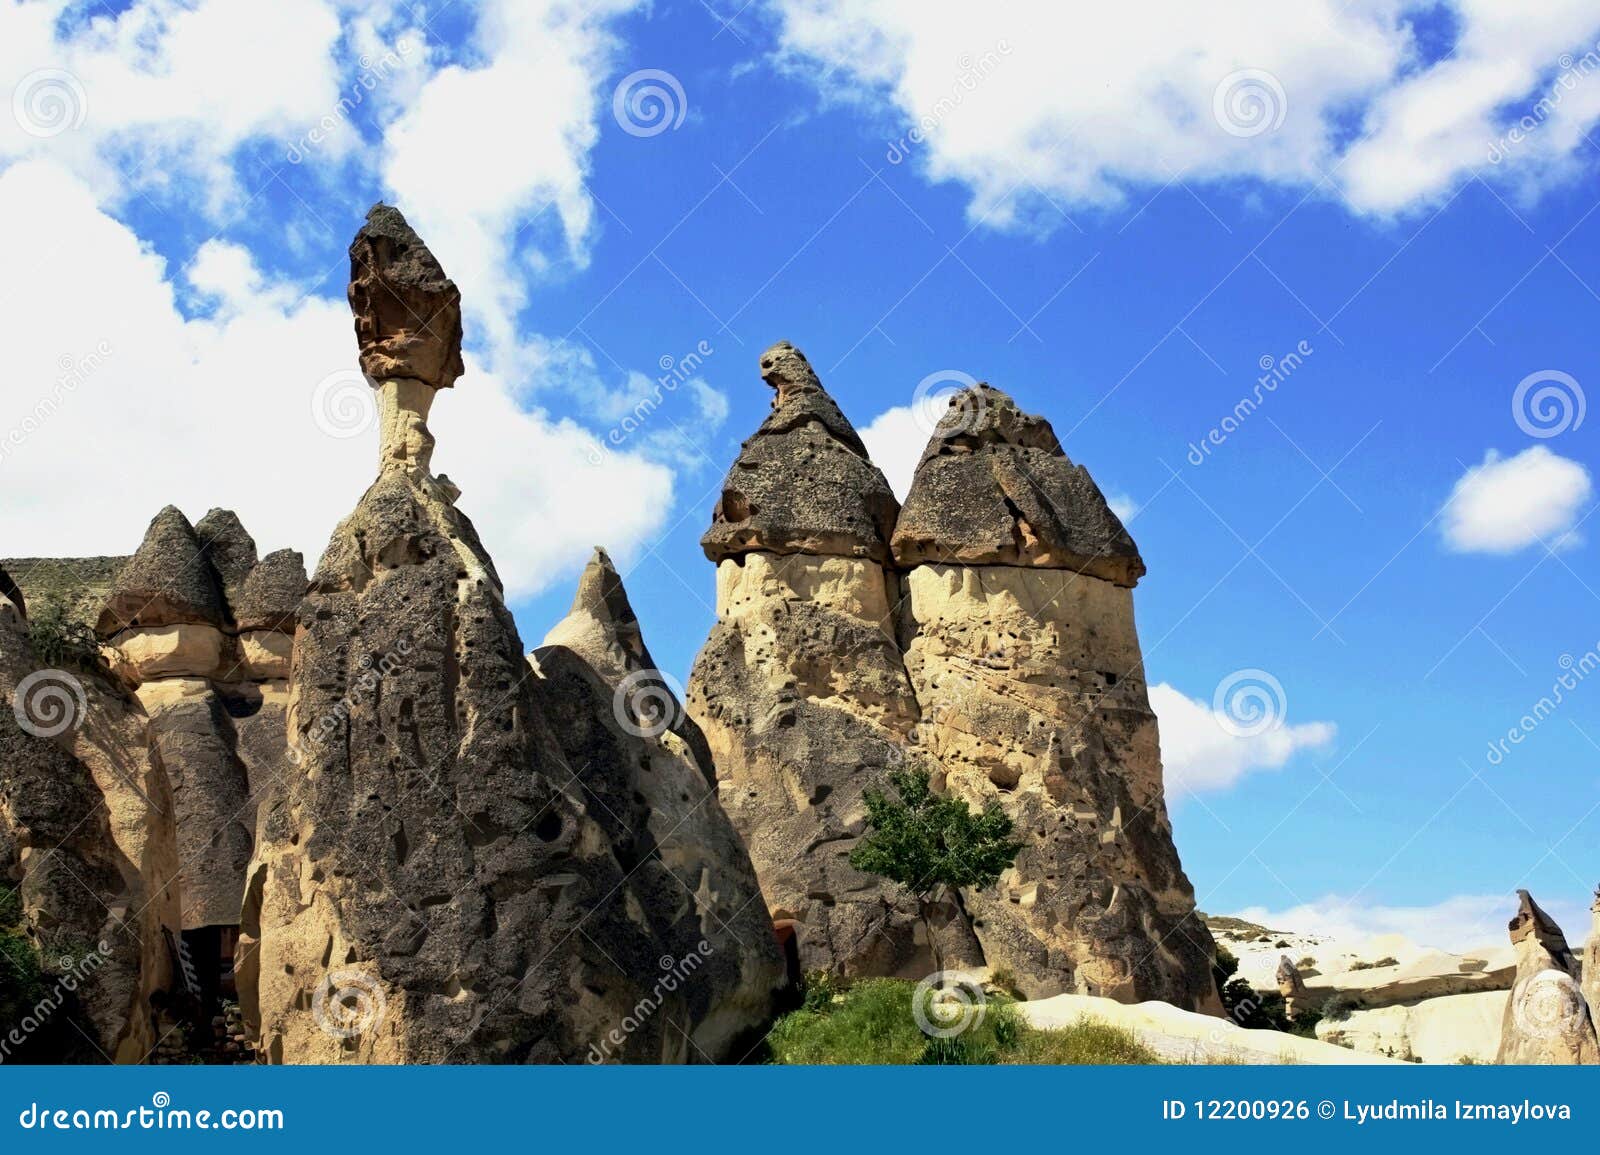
648, 766
168, 581
430, 883
1546, 1019
271, 593
802, 482
407, 312
994, 487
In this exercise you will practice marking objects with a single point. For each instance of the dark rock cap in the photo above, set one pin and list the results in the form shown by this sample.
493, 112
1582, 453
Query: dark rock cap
994, 488
166, 582
408, 313
270, 595
230, 550
1531, 919
803, 482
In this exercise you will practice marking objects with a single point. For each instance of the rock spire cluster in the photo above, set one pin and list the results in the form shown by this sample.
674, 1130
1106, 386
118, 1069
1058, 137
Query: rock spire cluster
984, 633
435, 883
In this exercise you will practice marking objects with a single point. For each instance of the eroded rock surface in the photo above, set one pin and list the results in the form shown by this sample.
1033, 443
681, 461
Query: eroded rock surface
800, 689
407, 312
209, 666
802, 484
87, 849
1000, 656
647, 770
168, 581
430, 887
1546, 1019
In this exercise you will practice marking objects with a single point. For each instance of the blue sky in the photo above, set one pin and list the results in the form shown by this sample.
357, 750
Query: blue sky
1100, 233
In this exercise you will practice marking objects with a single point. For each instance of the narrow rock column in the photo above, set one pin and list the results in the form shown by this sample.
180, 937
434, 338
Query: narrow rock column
1547, 1019
1019, 639
428, 887
800, 688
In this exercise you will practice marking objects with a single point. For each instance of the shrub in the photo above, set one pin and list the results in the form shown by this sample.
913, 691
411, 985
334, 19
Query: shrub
60, 640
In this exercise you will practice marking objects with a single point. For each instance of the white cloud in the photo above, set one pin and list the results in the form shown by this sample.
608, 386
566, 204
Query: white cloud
1459, 923
1336, 90
198, 383
479, 205
1199, 754
1507, 503
219, 410
162, 89
895, 440
1125, 507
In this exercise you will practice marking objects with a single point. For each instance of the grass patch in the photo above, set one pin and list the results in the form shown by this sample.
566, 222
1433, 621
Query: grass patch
872, 1023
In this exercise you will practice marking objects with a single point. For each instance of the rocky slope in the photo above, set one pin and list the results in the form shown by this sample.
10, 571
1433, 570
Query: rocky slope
645, 769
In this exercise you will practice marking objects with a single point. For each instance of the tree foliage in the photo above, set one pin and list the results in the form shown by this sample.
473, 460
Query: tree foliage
927, 841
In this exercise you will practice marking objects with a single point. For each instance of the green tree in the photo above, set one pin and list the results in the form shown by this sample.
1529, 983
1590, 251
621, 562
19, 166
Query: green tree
931, 844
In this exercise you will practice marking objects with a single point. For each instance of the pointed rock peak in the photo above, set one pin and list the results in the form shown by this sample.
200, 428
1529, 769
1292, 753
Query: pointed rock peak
600, 592
982, 416
231, 551
994, 487
803, 482
407, 312
1596, 907
168, 581
270, 595
798, 397
786, 369
601, 627
1532, 920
